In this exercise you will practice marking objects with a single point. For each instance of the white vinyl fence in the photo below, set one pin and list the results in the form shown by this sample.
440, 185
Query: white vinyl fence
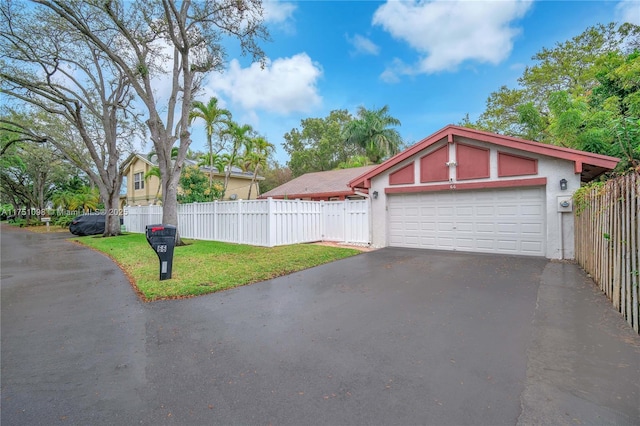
263, 222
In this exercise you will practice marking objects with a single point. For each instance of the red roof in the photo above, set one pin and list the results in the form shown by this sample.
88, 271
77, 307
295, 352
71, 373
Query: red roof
588, 164
332, 183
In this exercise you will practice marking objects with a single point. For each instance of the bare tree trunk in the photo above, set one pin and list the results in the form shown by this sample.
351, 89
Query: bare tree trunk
253, 181
170, 206
112, 220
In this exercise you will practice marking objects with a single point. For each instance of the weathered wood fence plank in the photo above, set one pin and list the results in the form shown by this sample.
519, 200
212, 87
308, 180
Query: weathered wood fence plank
608, 242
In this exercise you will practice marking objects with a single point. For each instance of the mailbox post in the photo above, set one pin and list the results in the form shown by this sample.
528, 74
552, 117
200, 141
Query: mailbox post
162, 238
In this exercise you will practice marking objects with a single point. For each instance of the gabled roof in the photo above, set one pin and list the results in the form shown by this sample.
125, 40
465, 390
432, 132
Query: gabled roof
129, 161
588, 164
332, 183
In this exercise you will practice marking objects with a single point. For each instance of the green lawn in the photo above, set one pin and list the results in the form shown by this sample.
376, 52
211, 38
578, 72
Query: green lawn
206, 266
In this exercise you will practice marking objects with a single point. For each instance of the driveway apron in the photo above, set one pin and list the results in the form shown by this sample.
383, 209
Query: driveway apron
394, 336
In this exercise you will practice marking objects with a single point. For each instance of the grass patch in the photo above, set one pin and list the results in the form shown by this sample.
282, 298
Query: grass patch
203, 267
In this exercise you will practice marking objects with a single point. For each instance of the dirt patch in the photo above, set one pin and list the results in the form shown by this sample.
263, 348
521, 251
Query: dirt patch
42, 229
356, 247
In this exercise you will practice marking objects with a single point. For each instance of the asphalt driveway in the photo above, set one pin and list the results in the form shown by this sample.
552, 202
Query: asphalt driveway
394, 336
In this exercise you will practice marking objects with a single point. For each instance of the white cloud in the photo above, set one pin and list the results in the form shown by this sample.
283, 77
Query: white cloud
395, 70
447, 33
278, 12
628, 11
363, 45
285, 85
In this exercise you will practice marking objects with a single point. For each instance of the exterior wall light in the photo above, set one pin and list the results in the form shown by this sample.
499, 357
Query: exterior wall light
563, 184
375, 195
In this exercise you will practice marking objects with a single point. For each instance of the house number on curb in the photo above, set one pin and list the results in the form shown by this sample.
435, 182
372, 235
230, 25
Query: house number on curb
161, 249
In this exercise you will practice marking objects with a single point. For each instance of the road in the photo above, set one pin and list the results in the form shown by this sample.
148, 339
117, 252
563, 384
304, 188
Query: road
393, 336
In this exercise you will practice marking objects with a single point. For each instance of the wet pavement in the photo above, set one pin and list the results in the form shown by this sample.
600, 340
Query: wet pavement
393, 336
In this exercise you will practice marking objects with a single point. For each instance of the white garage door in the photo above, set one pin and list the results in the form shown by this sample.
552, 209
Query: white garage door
508, 221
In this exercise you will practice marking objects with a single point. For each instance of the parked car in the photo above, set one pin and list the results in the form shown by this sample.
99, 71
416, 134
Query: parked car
87, 224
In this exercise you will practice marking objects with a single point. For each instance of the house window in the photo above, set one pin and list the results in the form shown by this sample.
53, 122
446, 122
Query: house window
138, 181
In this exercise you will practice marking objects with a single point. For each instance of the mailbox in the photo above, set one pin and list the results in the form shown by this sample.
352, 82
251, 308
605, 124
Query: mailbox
162, 238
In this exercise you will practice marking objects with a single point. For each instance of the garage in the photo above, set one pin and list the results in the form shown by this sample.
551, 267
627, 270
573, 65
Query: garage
463, 189
510, 221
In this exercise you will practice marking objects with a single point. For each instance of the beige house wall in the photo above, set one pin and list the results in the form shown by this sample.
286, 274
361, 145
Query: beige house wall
240, 187
147, 195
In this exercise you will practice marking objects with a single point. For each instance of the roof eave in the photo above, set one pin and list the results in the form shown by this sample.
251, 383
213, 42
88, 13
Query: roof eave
310, 194
449, 132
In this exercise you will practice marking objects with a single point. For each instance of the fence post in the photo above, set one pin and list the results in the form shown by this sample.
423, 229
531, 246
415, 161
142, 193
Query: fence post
346, 236
271, 223
215, 220
239, 221
323, 219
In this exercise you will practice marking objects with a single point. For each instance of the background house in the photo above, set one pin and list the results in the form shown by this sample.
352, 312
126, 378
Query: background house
468, 190
141, 192
321, 186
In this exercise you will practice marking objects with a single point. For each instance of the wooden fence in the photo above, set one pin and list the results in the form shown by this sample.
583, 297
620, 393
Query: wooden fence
608, 240
263, 222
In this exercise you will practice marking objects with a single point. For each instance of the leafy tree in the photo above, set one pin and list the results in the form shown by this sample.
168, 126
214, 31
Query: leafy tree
274, 176
154, 172
215, 119
145, 40
215, 159
82, 103
571, 66
240, 135
583, 94
194, 187
355, 161
30, 173
87, 199
257, 153
319, 144
371, 131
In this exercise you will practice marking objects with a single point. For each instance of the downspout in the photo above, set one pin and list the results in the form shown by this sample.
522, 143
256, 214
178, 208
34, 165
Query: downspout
561, 235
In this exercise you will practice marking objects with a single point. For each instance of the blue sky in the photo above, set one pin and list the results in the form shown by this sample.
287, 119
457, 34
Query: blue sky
430, 62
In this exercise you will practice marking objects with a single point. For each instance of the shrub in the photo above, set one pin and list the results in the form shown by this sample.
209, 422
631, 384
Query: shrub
63, 221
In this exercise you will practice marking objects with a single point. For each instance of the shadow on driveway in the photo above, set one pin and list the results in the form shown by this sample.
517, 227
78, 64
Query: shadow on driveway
394, 336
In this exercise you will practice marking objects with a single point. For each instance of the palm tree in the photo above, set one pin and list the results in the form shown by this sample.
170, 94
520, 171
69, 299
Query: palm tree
371, 132
87, 199
62, 199
240, 136
215, 120
154, 171
256, 157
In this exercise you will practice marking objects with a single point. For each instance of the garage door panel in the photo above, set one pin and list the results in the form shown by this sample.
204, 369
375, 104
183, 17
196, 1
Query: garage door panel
531, 228
531, 210
485, 244
510, 246
485, 227
464, 226
428, 212
507, 228
532, 246
445, 242
485, 211
412, 240
444, 226
508, 211
464, 211
492, 221
428, 241
446, 211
